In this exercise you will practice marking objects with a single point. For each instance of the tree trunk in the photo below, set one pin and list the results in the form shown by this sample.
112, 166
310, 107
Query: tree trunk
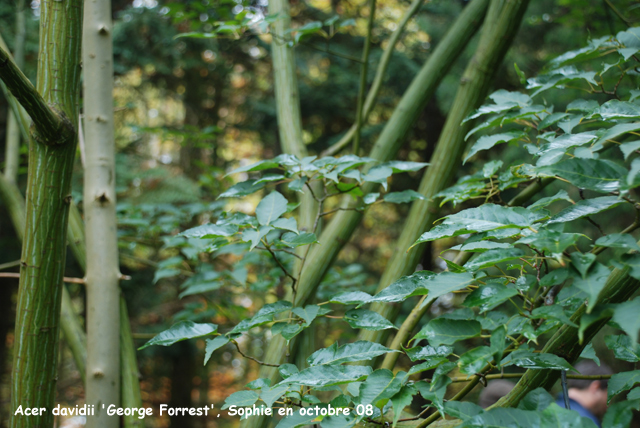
103, 272
51, 156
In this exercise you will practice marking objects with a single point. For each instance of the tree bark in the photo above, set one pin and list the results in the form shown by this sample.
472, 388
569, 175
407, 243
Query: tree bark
54, 110
103, 271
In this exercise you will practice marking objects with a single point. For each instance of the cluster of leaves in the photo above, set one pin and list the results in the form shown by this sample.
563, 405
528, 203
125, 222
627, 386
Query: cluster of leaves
522, 258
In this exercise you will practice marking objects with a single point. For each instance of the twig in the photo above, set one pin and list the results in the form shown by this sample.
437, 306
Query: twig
282, 267
363, 77
335, 210
10, 264
282, 250
252, 358
383, 65
65, 279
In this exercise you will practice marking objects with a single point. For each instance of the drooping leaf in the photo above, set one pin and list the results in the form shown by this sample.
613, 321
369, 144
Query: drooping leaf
293, 240
351, 298
241, 399
556, 416
213, 345
402, 399
428, 351
550, 241
621, 382
180, 331
536, 400
623, 347
422, 283
627, 317
488, 141
241, 189
289, 224
562, 195
620, 415
379, 387
446, 331
271, 207
592, 283
553, 312
618, 240
532, 360
308, 313
435, 392
358, 351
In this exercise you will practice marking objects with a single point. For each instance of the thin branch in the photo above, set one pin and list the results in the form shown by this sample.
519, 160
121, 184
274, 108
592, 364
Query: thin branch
65, 279
383, 65
282, 267
519, 375
618, 14
363, 77
282, 250
252, 358
52, 127
335, 210
10, 264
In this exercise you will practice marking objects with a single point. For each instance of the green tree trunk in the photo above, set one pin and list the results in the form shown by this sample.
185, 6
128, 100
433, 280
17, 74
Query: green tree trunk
501, 25
54, 110
103, 271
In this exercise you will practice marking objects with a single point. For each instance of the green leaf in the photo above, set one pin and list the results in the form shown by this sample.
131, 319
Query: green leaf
582, 262
536, 400
260, 383
402, 197
402, 399
180, 331
213, 345
241, 399
593, 174
293, 240
255, 235
486, 217
472, 361
297, 184
428, 351
435, 392
621, 382
629, 148
358, 351
297, 420
270, 208
562, 195
327, 375
531, 360
556, 416
623, 347
504, 418
289, 224
367, 320
620, 415
616, 131
589, 353
287, 370
309, 313
370, 198
351, 298
480, 246
271, 395
258, 166
210, 231
462, 409
430, 364
424, 282
618, 240
165, 273
626, 316
404, 166
263, 316
593, 283
488, 141
242, 189
585, 208
492, 258
379, 387
445, 331
489, 296
553, 312
338, 421
378, 174
550, 241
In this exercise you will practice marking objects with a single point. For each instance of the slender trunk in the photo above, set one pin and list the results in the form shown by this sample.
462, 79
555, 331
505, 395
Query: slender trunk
103, 271
130, 375
51, 156
501, 25
12, 147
